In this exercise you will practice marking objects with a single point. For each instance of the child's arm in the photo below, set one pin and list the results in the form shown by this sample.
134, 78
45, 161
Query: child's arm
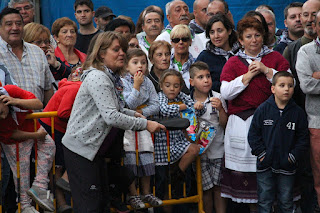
172, 110
223, 117
23, 103
22, 135
152, 107
255, 136
130, 94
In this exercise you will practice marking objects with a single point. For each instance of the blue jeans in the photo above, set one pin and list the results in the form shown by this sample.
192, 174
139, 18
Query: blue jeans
272, 185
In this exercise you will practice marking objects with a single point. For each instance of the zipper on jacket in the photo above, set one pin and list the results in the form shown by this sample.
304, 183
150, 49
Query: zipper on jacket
280, 112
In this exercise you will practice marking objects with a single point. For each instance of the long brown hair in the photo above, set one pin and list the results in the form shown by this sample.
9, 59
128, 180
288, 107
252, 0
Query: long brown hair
102, 43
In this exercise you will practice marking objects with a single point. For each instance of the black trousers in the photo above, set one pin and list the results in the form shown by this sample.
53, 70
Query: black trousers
87, 182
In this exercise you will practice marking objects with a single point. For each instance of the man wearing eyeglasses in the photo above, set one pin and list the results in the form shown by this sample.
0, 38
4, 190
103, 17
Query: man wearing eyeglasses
26, 9
198, 24
178, 13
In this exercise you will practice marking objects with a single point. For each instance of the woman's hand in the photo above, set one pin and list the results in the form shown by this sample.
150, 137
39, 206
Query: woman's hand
139, 115
153, 126
52, 58
252, 72
216, 103
198, 105
259, 66
138, 80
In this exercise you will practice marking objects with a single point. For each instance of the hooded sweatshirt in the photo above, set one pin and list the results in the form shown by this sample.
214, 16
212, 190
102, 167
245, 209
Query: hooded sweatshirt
277, 135
62, 102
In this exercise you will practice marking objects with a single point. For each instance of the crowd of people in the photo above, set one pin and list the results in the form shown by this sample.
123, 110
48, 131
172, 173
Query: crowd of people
109, 79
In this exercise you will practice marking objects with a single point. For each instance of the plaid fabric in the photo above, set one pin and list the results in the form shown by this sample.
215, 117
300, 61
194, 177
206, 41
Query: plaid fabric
218, 51
211, 172
142, 42
185, 66
178, 141
284, 38
195, 26
32, 73
264, 51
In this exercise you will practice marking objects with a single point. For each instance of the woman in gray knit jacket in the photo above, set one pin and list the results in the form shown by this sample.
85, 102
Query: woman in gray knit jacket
97, 113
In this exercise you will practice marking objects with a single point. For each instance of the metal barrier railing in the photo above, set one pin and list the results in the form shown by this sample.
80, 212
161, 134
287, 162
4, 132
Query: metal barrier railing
191, 199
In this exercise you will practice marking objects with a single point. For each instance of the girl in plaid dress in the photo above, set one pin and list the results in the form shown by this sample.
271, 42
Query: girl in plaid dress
172, 101
141, 96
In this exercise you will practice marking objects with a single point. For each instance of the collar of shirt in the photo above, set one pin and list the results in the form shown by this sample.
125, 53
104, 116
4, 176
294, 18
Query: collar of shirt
181, 67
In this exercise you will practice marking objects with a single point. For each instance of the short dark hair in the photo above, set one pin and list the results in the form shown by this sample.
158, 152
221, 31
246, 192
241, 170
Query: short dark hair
291, 5
281, 74
88, 3
233, 38
115, 23
7, 11
196, 67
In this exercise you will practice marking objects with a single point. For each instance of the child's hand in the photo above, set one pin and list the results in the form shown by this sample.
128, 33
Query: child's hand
216, 103
7, 100
138, 115
198, 105
182, 107
41, 134
138, 80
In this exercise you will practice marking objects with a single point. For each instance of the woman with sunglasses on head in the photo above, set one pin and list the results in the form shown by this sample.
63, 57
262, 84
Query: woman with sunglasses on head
181, 59
222, 45
39, 35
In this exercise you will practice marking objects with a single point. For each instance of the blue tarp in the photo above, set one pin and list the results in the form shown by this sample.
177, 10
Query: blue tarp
53, 9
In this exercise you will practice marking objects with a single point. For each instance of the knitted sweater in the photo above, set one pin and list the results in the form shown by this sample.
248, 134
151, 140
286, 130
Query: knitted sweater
308, 63
259, 88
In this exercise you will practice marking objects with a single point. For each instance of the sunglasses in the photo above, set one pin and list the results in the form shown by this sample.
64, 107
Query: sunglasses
177, 40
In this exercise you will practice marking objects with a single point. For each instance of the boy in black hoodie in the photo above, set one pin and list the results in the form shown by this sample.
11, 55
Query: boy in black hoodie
278, 136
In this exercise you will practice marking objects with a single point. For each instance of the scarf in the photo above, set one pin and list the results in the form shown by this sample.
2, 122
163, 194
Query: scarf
264, 51
219, 51
118, 85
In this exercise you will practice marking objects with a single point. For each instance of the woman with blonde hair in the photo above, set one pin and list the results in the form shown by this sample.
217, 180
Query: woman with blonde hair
39, 35
181, 59
97, 117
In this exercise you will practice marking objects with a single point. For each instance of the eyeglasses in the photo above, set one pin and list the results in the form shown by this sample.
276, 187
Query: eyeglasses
26, 8
39, 42
177, 40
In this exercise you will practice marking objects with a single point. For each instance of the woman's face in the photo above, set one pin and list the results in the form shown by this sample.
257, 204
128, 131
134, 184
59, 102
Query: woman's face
133, 43
123, 30
219, 35
161, 58
181, 44
67, 36
252, 40
43, 41
114, 57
